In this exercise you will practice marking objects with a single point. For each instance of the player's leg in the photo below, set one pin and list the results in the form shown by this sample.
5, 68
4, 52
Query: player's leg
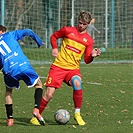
55, 78
30, 77
38, 93
48, 94
10, 83
8, 105
38, 97
77, 98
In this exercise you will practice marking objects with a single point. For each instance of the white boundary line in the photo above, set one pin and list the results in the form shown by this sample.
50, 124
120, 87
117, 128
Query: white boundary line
94, 83
42, 77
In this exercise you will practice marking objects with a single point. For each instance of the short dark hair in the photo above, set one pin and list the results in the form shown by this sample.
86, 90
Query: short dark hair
2, 28
85, 16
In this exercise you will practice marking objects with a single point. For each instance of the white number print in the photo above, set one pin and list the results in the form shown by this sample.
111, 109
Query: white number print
6, 48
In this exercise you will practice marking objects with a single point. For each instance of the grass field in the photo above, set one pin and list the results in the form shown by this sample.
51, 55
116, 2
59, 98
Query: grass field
107, 102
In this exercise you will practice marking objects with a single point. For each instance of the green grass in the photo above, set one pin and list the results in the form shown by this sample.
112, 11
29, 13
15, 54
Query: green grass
107, 108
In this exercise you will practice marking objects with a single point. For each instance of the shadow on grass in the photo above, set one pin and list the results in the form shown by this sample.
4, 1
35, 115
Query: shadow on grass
26, 122
17, 121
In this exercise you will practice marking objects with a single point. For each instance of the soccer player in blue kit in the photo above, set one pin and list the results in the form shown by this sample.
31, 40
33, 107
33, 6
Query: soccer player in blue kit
15, 67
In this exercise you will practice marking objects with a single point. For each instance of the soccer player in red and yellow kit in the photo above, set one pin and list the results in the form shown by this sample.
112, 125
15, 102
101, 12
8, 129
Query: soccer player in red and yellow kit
65, 68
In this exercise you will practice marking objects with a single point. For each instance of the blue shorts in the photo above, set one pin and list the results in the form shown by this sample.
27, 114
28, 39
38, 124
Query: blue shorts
29, 76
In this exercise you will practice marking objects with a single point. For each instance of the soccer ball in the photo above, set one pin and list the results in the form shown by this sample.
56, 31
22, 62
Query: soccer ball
103, 50
62, 116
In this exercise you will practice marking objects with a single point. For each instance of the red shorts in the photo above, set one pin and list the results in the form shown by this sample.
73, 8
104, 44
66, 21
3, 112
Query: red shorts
58, 75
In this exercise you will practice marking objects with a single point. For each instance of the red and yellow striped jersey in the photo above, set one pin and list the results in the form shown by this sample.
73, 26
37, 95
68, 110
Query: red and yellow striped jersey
74, 45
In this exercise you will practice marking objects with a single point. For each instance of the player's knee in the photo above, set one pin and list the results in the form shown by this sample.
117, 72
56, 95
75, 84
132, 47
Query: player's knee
48, 93
38, 84
76, 83
48, 96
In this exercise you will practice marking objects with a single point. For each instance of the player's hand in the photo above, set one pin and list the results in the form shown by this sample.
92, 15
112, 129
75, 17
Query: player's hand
55, 52
95, 52
99, 32
41, 45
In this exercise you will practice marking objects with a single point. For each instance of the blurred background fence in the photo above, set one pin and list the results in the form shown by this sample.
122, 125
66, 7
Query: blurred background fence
114, 19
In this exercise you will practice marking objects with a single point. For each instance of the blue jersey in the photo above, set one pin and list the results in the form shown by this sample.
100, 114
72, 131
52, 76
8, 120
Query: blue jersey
12, 59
